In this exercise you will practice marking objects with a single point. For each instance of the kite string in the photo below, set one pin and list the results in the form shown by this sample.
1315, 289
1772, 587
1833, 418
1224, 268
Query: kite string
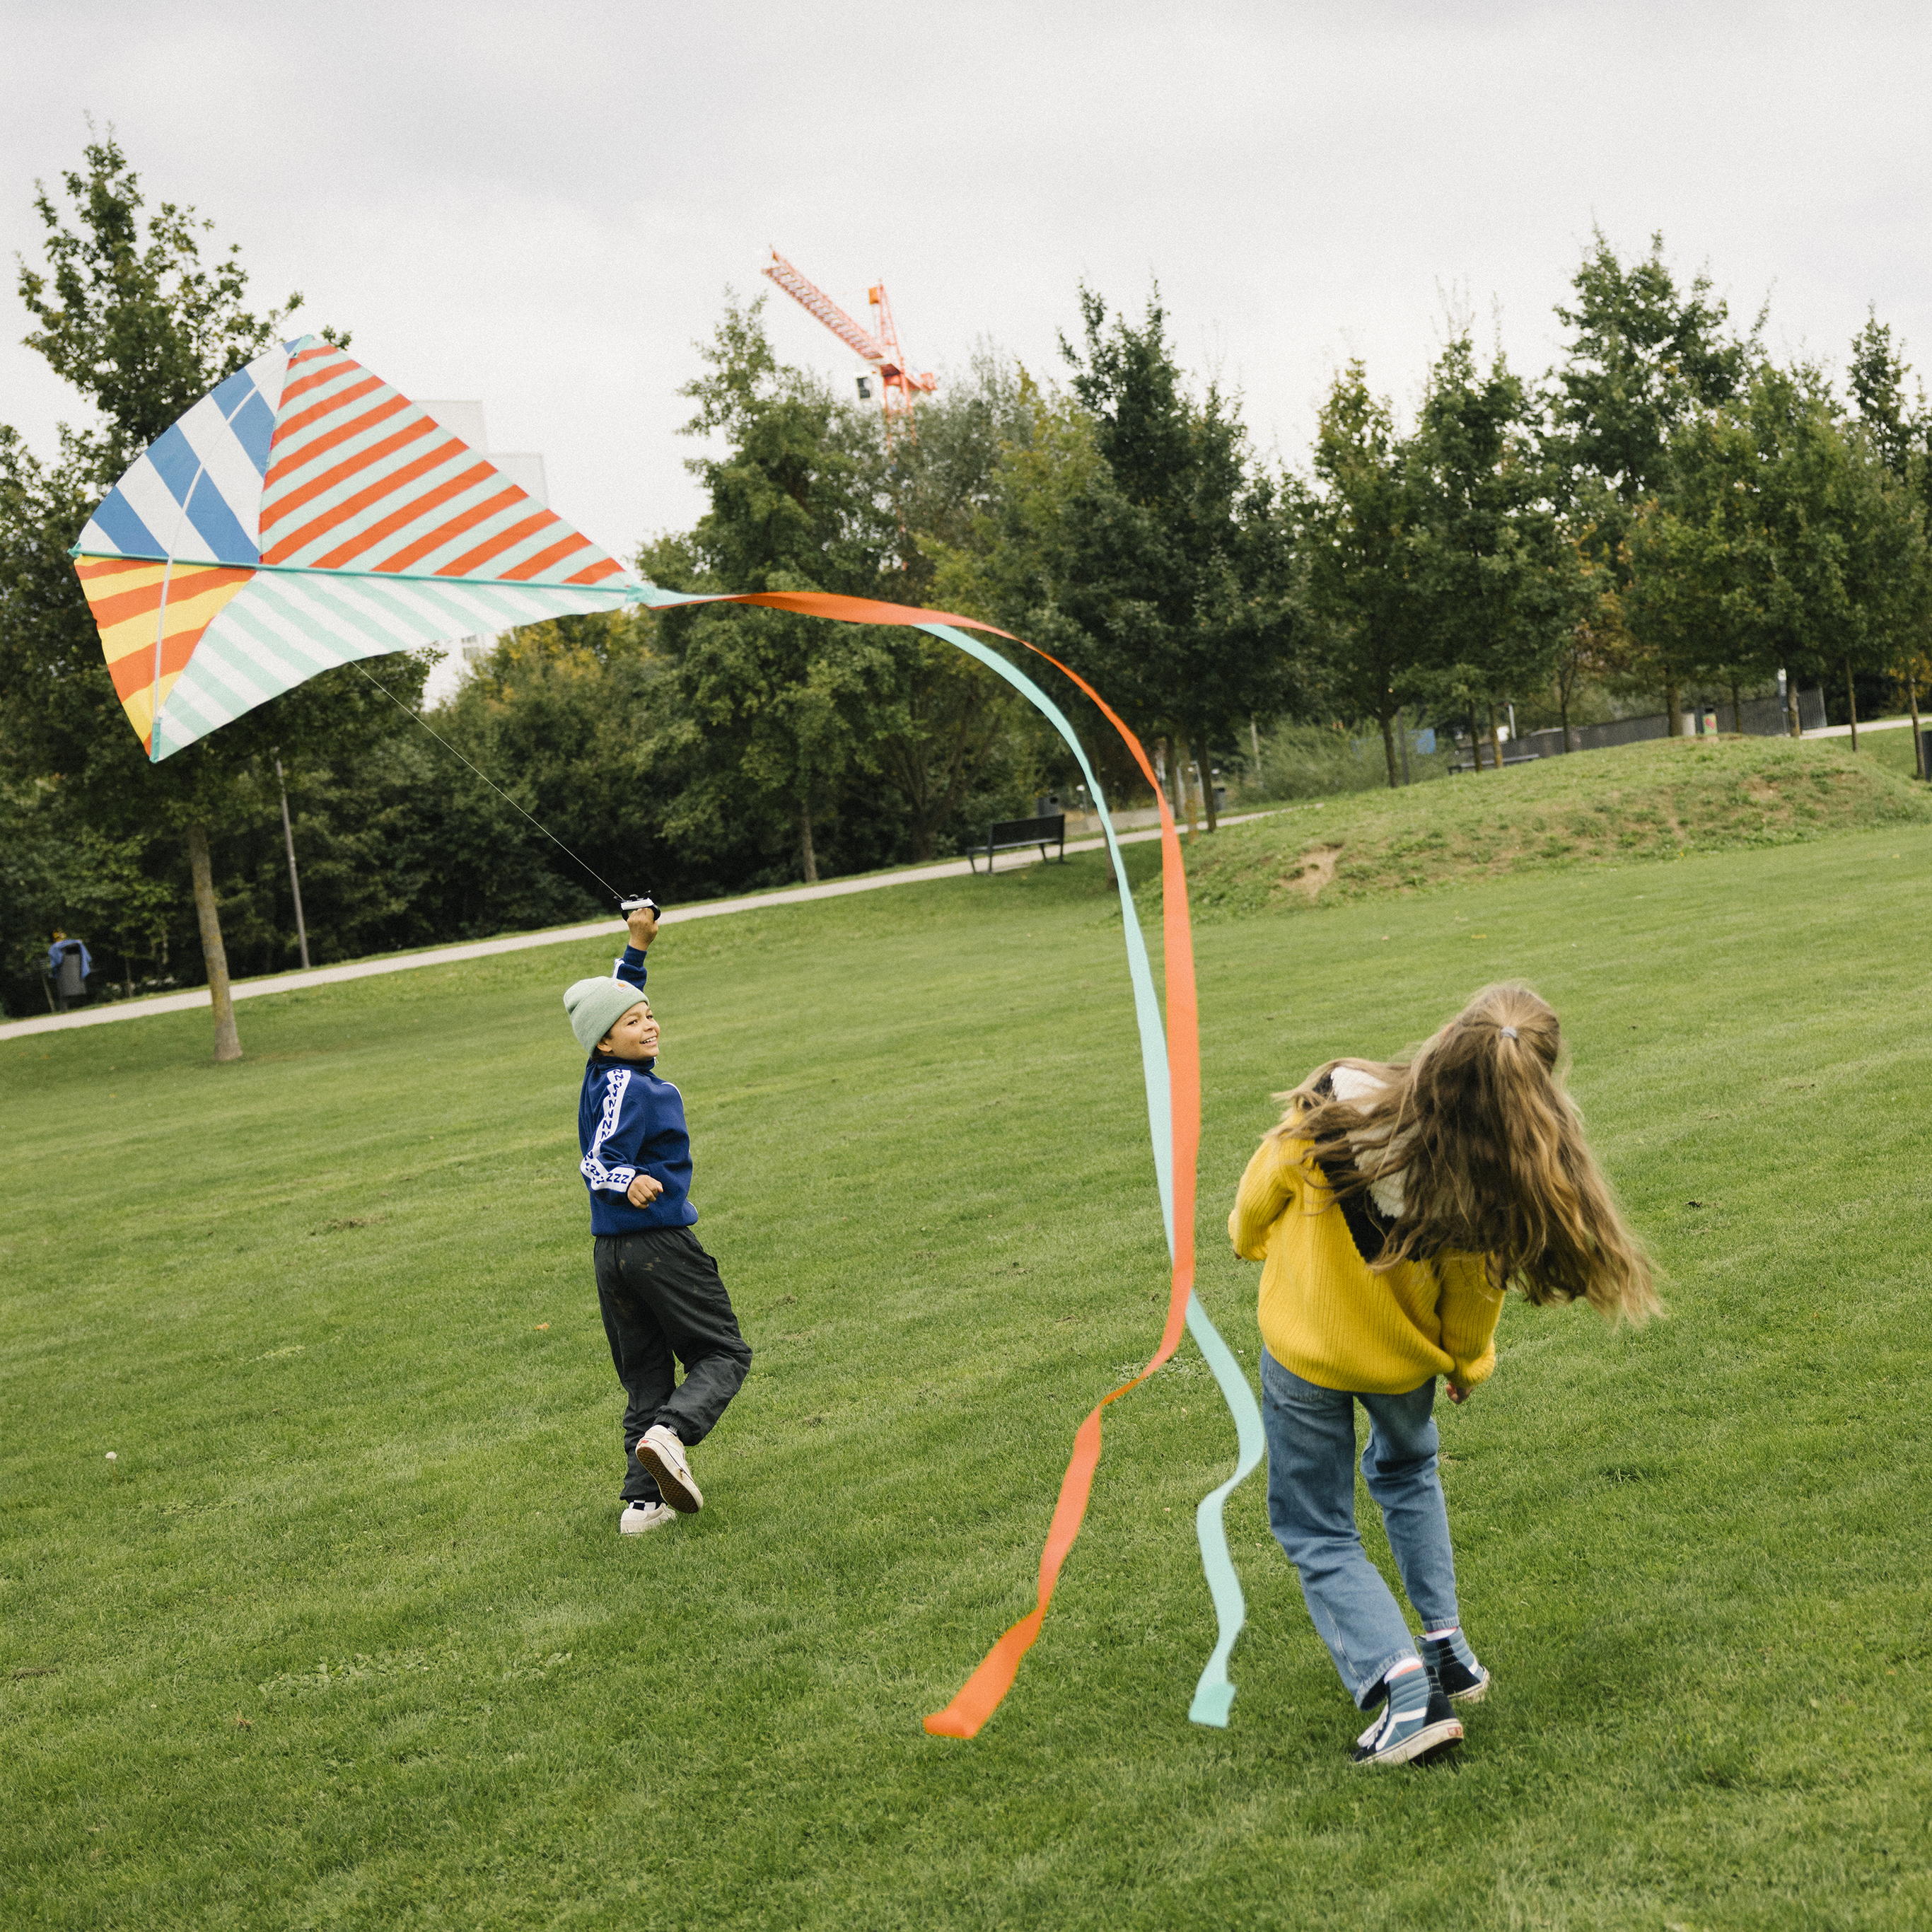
488, 780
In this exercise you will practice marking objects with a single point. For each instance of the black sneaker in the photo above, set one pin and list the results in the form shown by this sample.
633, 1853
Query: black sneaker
1452, 1664
1417, 1725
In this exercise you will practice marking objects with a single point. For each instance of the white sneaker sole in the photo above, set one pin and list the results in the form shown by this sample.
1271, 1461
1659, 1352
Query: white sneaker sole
1426, 1743
674, 1483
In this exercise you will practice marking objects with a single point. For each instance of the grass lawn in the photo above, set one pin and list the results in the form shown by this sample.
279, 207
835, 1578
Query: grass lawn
1663, 799
353, 1641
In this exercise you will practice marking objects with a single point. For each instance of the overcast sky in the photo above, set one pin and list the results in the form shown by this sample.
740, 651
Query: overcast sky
541, 206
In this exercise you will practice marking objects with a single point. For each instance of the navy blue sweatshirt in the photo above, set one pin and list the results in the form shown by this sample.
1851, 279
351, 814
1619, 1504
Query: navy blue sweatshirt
628, 1122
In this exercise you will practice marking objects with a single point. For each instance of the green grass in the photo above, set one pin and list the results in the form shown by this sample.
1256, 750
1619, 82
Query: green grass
354, 1642
1664, 800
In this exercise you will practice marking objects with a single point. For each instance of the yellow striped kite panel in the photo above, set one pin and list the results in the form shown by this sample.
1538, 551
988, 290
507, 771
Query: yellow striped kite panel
125, 595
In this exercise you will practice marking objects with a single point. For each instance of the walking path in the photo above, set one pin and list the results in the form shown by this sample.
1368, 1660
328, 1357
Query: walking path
1864, 725
560, 935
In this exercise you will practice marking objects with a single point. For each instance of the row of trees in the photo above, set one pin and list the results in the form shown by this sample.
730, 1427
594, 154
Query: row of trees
1668, 511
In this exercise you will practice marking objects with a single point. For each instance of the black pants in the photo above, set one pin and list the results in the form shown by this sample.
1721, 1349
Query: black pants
661, 1295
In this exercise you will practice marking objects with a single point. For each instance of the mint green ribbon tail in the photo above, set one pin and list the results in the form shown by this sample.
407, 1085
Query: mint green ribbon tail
1214, 1694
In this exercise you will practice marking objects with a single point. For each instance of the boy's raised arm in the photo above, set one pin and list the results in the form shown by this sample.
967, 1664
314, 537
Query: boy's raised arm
630, 964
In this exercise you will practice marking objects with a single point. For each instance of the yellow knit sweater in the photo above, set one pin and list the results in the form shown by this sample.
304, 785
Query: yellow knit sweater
1330, 1317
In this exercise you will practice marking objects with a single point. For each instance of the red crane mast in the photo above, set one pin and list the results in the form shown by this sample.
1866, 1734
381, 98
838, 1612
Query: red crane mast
879, 345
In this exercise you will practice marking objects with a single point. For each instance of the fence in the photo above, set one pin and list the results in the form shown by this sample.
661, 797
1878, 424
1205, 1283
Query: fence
1763, 718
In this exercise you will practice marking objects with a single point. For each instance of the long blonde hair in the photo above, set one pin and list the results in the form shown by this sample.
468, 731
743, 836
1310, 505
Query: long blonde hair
1490, 1153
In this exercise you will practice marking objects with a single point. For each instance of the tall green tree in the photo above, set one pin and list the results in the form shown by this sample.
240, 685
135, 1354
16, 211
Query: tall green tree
1644, 355
958, 731
1362, 582
1647, 356
1493, 571
1784, 539
1177, 563
1702, 562
778, 712
1897, 422
131, 313
1899, 428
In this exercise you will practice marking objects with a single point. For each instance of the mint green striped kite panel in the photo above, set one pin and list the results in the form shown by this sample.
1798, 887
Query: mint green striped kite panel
286, 626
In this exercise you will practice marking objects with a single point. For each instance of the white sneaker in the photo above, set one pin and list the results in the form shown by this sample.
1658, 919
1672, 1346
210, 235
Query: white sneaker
660, 1451
638, 1517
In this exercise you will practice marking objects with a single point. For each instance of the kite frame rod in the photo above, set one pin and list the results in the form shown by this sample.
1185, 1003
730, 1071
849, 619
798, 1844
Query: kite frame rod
380, 576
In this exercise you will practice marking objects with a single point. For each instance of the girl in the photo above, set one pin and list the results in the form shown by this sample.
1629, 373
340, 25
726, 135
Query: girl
1392, 1206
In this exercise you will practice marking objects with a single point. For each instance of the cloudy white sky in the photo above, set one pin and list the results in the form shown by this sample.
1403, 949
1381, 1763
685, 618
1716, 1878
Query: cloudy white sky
542, 205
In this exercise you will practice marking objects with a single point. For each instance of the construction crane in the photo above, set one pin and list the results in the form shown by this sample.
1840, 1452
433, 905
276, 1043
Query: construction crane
878, 345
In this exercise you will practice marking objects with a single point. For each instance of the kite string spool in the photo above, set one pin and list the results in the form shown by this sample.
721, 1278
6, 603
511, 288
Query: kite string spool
488, 780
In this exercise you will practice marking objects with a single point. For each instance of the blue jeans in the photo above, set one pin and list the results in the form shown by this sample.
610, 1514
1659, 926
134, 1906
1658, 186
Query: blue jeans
1311, 1445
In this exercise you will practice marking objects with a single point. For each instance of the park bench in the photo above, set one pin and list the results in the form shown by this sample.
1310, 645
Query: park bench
1014, 834
1489, 763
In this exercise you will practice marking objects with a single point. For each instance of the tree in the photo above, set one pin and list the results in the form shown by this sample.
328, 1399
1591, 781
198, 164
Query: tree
1492, 571
1361, 584
957, 728
1784, 539
558, 713
131, 315
1900, 430
1595, 644
1701, 561
1175, 568
1646, 357
778, 710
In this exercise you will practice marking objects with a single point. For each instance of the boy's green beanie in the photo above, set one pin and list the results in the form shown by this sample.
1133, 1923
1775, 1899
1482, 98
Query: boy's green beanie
595, 1006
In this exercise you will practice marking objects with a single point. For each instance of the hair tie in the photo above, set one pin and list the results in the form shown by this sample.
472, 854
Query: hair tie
1509, 1033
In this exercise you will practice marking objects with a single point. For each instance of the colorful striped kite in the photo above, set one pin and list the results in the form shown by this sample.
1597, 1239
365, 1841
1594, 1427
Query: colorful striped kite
304, 515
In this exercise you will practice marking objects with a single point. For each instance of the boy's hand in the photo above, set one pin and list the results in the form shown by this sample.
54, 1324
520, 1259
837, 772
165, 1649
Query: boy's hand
1456, 1393
644, 925
644, 1189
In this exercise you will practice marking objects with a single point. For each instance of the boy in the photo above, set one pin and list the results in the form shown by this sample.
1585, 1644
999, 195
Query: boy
659, 1292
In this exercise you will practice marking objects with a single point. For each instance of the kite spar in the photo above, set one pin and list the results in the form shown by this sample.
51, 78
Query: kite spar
304, 515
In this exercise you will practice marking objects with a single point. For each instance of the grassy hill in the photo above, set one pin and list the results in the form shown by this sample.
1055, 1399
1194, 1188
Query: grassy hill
1661, 800
352, 1642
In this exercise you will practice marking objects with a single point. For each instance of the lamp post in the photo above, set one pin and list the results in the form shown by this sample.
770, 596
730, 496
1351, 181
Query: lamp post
295, 880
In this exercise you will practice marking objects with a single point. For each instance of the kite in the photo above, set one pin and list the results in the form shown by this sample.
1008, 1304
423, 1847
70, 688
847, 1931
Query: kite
304, 515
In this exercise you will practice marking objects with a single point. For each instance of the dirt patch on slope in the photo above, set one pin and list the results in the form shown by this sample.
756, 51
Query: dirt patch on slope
1316, 869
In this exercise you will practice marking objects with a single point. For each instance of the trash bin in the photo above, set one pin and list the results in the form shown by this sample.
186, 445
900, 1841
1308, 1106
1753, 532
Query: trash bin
1925, 753
68, 966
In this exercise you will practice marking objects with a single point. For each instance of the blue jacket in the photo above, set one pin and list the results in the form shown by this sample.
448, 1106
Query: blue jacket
628, 1122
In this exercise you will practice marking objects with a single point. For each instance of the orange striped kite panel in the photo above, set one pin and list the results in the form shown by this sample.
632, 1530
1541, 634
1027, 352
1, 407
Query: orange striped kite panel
359, 478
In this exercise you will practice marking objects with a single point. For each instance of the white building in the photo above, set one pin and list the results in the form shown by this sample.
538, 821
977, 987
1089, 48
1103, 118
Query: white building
525, 469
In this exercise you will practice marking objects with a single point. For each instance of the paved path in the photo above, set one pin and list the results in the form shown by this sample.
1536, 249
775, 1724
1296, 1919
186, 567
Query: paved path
560, 935
1874, 724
